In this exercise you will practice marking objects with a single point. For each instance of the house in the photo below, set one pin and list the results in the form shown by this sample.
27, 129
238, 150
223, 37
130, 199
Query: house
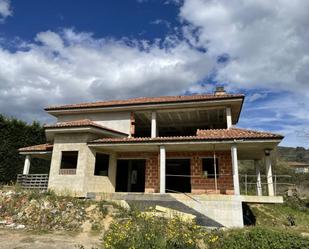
162, 147
299, 167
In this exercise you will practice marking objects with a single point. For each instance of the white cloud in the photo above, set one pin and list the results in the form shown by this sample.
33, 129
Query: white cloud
72, 67
267, 41
267, 46
5, 9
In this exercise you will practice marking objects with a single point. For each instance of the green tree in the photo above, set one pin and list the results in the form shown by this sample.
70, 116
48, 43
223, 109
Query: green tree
15, 134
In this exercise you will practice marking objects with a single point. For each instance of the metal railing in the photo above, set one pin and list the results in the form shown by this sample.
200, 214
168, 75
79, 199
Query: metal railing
33, 181
249, 184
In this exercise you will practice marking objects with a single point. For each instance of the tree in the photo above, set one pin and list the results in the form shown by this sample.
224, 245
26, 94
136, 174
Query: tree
15, 134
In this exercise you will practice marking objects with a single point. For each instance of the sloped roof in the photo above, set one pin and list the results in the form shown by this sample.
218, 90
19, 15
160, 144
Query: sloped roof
39, 147
145, 101
81, 123
202, 135
236, 133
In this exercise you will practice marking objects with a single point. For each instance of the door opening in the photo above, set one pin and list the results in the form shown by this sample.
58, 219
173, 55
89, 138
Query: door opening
178, 177
130, 175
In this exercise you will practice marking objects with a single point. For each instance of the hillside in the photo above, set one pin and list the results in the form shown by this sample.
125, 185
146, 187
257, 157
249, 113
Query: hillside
298, 154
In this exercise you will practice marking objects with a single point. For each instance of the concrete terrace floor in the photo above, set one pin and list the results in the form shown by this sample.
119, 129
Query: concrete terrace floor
21, 239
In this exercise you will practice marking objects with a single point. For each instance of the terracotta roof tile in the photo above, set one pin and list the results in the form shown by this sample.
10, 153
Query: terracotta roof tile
81, 123
235, 133
202, 135
146, 100
39, 147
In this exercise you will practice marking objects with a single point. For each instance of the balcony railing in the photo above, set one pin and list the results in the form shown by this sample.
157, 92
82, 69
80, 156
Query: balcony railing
281, 183
248, 183
33, 181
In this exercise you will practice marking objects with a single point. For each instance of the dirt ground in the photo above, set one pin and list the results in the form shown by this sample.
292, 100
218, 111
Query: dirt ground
20, 239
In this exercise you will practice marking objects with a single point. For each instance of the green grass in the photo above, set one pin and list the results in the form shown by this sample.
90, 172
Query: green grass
280, 215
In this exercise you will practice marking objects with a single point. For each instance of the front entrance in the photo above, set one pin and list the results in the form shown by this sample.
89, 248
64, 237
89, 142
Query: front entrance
178, 175
130, 175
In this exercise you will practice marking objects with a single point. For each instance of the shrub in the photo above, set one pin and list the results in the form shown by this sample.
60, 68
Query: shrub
261, 238
149, 230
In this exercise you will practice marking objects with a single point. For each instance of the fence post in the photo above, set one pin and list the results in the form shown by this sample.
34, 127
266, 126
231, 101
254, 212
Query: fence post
275, 185
246, 187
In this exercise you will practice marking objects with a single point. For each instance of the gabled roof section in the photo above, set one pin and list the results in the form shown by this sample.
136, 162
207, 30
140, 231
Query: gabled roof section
37, 148
202, 135
82, 123
146, 101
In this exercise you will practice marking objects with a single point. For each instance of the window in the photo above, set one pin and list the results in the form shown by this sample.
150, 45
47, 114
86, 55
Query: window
101, 164
208, 167
68, 162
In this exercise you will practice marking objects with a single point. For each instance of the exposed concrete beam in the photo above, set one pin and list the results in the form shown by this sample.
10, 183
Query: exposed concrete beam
153, 124
27, 165
258, 178
228, 117
162, 169
235, 169
269, 174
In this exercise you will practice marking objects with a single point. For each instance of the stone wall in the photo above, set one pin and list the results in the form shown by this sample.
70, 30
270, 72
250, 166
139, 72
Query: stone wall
84, 180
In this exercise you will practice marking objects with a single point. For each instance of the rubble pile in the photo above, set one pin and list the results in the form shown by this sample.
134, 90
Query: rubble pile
46, 211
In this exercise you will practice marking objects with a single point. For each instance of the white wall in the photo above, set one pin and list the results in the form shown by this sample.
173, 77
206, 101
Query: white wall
115, 120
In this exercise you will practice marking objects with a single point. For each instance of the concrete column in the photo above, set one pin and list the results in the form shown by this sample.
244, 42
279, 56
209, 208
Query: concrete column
27, 165
235, 169
162, 169
112, 170
269, 174
258, 178
228, 117
153, 124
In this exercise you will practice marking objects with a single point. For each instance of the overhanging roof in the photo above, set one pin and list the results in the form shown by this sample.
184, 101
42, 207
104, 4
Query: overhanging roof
84, 123
202, 135
37, 148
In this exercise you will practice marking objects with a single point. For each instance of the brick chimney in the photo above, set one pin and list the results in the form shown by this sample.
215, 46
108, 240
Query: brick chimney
220, 90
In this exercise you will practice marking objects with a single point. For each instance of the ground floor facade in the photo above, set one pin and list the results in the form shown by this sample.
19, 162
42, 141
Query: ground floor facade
199, 177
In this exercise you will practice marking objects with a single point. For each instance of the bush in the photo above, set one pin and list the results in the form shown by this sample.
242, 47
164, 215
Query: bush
261, 238
148, 230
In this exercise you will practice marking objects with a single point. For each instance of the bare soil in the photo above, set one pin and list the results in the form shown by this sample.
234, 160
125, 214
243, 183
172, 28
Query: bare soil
21, 239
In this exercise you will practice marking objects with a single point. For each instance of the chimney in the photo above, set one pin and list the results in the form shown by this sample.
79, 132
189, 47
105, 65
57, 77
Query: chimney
220, 90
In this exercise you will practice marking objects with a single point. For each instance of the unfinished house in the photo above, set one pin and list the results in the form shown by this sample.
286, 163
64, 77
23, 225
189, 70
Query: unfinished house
177, 149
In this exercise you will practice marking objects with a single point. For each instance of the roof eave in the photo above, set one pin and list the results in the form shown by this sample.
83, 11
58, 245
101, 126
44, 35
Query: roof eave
58, 111
188, 141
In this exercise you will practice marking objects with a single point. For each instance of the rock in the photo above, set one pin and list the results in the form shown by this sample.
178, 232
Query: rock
11, 225
90, 208
20, 226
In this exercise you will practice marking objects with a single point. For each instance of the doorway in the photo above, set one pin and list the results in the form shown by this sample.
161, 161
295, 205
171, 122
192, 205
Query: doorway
130, 175
178, 177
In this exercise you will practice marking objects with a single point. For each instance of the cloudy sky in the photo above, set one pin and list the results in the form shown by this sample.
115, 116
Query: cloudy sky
68, 51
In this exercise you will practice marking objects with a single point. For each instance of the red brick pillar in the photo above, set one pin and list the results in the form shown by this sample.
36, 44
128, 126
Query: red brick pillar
152, 175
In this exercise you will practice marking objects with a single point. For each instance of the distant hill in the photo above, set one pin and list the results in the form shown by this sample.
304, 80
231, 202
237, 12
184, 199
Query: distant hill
298, 154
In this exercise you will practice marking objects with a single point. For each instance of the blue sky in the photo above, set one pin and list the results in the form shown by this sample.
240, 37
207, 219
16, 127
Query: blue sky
55, 52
